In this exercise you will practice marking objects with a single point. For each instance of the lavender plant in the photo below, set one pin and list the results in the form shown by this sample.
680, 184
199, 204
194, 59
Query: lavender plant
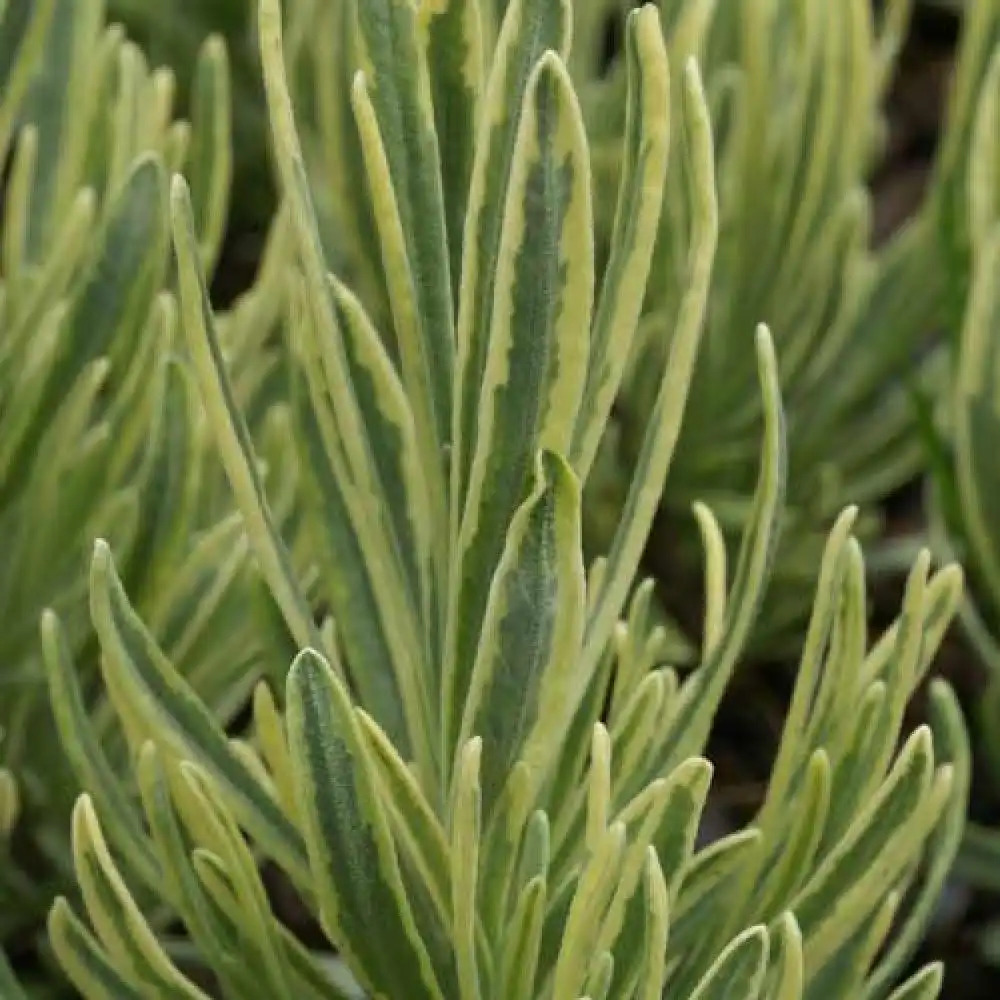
481, 776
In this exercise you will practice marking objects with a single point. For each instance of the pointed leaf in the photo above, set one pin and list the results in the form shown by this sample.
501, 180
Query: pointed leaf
523, 686
531, 28
409, 207
537, 349
455, 56
147, 686
640, 197
227, 423
353, 859
738, 973
87, 964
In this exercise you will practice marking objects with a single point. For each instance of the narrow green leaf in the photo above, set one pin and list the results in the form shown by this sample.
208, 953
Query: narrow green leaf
598, 787
951, 747
350, 423
392, 439
594, 888
524, 685
795, 852
389, 556
90, 764
18, 73
844, 973
117, 918
210, 162
180, 884
640, 198
522, 940
145, 685
270, 738
417, 829
881, 842
656, 928
466, 821
171, 484
413, 224
348, 575
786, 975
601, 973
353, 859
232, 437
976, 419
738, 973
88, 966
924, 985
704, 881
255, 920
116, 295
55, 275
674, 839
455, 55
346, 176
17, 212
61, 104
700, 695
537, 350
665, 421
530, 28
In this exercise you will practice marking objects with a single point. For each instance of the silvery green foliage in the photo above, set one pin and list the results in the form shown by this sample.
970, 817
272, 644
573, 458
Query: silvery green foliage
796, 92
100, 429
962, 500
964, 511
481, 775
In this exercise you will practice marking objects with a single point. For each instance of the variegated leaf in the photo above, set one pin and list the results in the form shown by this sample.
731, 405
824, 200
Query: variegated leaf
90, 968
233, 438
664, 424
210, 160
537, 354
122, 277
924, 985
640, 196
120, 925
147, 687
393, 103
738, 971
524, 684
530, 28
352, 856
453, 39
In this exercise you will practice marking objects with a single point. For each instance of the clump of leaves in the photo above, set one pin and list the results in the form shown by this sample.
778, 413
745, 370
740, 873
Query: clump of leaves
796, 92
964, 428
172, 33
481, 776
100, 428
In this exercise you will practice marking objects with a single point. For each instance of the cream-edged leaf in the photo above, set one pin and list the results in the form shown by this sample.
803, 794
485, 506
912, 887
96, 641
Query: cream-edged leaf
523, 686
537, 355
149, 692
646, 144
352, 855
530, 28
